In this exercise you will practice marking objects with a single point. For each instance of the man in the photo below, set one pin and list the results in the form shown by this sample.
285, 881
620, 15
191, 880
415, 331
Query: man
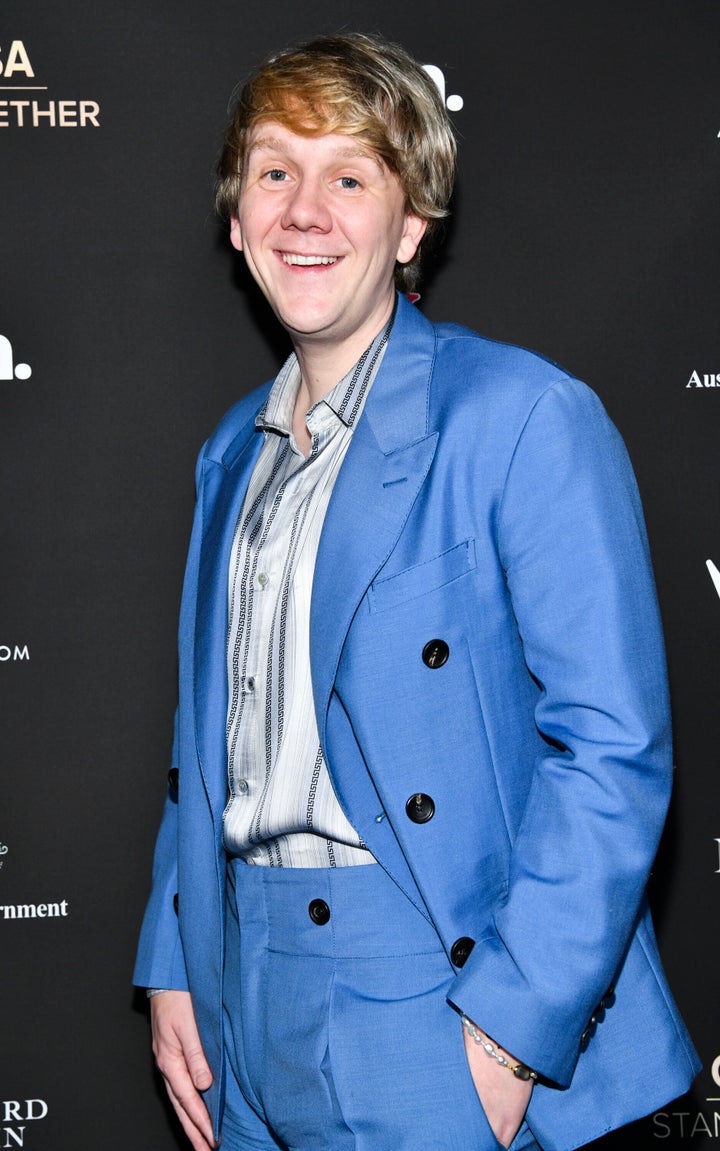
422, 753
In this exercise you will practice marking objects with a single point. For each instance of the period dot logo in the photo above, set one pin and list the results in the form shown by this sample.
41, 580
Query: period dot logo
452, 103
9, 370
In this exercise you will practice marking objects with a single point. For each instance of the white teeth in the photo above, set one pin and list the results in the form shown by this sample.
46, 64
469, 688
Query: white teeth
307, 261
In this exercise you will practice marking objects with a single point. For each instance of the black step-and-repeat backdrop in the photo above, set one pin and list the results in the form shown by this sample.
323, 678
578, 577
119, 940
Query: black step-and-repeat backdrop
586, 225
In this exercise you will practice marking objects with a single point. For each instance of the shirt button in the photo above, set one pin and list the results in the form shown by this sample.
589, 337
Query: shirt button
250, 683
243, 787
263, 579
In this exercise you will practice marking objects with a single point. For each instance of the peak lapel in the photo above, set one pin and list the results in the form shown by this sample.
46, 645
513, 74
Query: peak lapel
385, 466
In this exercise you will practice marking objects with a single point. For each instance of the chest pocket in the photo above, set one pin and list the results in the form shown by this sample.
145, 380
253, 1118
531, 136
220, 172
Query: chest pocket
390, 591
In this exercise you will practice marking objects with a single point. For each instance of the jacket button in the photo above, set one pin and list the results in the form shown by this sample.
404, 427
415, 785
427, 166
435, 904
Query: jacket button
435, 653
460, 950
319, 911
420, 808
176, 902
173, 777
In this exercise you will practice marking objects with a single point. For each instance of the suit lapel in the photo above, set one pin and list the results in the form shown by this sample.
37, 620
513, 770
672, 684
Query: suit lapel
384, 469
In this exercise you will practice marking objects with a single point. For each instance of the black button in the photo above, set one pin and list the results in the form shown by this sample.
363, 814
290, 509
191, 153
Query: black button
176, 902
435, 653
461, 949
319, 911
420, 808
173, 776
588, 1033
598, 1016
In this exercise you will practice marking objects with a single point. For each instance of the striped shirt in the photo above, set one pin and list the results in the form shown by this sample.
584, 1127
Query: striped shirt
282, 810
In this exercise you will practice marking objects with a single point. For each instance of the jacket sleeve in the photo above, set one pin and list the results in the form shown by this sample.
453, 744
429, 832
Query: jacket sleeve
573, 547
159, 961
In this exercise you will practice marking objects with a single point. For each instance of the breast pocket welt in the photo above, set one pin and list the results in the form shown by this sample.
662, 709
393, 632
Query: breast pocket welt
389, 591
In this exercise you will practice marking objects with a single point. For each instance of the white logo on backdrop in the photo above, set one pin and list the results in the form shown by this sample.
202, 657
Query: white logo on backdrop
706, 380
20, 112
714, 574
13, 653
15, 1114
7, 371
687, 1125
453, 103
57, 910
16, 60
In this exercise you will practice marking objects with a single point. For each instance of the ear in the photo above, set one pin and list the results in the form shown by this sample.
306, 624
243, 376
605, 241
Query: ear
413, 232
236, 234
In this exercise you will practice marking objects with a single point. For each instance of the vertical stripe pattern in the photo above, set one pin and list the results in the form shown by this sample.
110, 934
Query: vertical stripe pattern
282, 810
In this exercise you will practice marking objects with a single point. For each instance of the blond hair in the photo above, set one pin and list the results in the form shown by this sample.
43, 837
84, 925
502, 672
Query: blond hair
359, 86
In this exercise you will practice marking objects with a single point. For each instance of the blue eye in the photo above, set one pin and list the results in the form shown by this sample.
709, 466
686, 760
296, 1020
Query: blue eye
348, 182
276, 174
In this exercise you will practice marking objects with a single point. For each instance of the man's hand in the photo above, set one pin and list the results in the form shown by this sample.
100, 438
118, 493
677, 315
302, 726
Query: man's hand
504, 1097
181, 1061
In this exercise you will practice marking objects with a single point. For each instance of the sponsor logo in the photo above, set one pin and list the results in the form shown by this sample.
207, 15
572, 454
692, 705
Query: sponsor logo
452, 103
15, 1114
704, 380
13, 653
34, 910
688, 1124
714, 574
22, 107
7, 370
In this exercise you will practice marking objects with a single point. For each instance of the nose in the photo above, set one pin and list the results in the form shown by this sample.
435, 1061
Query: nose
306, 208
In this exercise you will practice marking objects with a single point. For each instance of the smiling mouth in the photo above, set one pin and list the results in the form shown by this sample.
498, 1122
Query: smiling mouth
294, 259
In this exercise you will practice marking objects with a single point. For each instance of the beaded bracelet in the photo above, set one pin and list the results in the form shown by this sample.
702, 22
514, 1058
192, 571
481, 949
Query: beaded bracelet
519, 1070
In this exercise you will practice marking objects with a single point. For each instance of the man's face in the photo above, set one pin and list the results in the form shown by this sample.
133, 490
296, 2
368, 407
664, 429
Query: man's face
322, 221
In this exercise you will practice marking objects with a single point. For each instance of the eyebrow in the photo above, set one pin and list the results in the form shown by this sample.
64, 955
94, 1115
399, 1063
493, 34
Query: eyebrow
352, 151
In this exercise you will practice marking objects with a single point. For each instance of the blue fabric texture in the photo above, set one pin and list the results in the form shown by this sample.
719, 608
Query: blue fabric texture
339, 1036
486, 501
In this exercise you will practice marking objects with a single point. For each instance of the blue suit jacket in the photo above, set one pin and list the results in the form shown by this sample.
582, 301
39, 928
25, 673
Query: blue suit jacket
485, 500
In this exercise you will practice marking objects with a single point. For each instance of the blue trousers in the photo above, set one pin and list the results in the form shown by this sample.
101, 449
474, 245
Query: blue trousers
338, 1033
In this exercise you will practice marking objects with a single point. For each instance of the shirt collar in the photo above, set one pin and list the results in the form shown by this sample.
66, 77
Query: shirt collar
346, 399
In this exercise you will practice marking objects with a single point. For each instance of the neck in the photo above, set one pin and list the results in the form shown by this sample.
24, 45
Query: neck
320, 371
323, 364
